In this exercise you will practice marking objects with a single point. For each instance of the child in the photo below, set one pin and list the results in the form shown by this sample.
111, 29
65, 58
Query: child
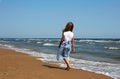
66, 44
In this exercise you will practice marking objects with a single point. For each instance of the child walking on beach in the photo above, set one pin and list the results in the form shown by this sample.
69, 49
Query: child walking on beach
66, 44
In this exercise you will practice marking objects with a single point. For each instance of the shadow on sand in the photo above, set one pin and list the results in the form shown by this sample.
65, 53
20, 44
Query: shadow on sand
53, 67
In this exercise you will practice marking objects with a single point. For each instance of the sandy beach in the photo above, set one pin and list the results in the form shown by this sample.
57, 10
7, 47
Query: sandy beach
16, 65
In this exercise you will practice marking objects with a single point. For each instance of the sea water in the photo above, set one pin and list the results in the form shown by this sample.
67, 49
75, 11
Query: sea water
96, 55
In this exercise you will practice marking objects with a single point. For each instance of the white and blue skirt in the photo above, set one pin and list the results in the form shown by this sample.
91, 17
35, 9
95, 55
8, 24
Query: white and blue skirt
64, 50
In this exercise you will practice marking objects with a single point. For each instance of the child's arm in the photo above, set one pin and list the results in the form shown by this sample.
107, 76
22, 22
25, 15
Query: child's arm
73, 49
62, 39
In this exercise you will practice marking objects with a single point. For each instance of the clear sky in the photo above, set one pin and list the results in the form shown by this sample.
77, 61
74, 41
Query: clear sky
47, 18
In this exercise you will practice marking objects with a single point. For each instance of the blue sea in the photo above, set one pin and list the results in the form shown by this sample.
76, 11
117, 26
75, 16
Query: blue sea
101, 56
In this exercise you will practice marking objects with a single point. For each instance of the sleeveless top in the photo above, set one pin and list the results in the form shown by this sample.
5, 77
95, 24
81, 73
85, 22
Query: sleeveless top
68, 36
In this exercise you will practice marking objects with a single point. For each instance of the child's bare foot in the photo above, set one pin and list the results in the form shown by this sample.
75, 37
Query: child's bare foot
68, 68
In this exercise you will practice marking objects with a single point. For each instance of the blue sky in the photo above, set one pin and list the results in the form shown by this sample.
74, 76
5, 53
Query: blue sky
47, 18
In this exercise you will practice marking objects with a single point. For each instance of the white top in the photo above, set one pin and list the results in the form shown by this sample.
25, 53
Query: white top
68, 35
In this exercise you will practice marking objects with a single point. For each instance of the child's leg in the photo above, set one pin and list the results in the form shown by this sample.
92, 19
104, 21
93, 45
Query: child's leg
68, 63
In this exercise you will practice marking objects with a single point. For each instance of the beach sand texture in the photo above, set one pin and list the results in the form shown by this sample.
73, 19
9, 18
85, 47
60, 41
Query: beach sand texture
15, 65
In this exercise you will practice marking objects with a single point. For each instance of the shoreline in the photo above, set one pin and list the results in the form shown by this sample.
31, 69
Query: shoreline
16, 65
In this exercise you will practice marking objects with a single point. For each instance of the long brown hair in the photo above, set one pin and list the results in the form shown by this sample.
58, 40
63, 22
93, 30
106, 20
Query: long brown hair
69, 27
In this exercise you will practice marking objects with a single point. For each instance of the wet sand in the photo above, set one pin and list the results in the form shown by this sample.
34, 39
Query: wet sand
16, 65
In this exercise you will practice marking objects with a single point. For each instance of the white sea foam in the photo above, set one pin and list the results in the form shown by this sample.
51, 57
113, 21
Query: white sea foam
49, 44
99, 41
3, 41
6, 46
39, 42
112, 48
108, 69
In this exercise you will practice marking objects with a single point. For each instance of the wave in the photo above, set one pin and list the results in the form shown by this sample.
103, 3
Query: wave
1, 41
39, 42
108, 69
6, 46
49, 44
112, 48
100, 41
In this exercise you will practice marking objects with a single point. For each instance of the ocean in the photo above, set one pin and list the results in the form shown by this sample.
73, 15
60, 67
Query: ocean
101, 56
